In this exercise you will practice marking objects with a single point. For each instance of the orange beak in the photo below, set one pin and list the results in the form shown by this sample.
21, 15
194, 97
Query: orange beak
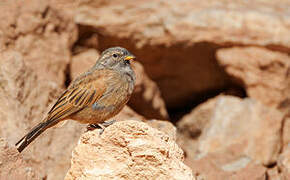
130, 57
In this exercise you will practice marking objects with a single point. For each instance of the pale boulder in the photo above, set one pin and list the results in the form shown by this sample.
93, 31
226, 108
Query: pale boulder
229, 164
232, 121
263, 73
128, 150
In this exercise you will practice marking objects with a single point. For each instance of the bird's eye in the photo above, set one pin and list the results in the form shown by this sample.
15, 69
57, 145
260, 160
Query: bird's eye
115, 55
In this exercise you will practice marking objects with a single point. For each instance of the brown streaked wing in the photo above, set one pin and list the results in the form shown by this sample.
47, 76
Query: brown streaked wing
83, 92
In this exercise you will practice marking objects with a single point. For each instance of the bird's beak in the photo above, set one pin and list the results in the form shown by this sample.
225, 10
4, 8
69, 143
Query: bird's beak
130, 57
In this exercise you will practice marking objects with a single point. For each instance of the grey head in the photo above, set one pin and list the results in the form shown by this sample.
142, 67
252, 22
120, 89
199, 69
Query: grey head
116, 58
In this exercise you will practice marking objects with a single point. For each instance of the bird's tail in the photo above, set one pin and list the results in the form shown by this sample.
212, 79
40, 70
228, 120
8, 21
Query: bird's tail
34, 133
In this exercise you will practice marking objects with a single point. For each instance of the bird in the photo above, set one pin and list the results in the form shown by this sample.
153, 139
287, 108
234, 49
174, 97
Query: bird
93, 97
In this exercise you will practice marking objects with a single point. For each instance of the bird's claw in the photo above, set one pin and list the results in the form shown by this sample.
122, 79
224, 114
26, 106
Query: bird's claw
100, 126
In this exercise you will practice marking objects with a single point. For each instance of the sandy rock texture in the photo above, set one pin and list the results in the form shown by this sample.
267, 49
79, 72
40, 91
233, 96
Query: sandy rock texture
228, 164
146, 98
238, 135
42, 35
12, 166
128, 150
262, 72
82, 61
169, 17
284, 163
49, 155
286, 131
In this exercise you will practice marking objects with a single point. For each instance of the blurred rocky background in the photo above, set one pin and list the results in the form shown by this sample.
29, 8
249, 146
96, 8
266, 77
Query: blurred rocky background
212, 98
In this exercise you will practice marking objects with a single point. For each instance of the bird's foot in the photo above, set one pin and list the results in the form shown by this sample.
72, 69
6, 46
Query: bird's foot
101, 126
106, 124
91, 127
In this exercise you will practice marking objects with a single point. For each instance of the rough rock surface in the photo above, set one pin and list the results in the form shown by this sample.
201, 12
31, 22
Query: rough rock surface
274, 174
246, 124
81, 62
146, 98
286, 132
192, 125
164, 126
42, 35
177, 40
26, 99
262, 72
284, 163
12, 166
200, 21
128, 150
228, 164
265, 76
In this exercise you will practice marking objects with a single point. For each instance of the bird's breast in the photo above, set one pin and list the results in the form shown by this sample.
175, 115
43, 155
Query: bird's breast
118, 91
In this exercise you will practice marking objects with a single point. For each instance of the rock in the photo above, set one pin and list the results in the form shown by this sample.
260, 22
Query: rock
265, 76
82, 62
227, 165
262, 72
176, 41
128, 150
192, 125
286, 131
274, 174
25, 100
128, 113
167, 127
284, 163
232, 121
40, 33
146, 99
12, 165
199, 21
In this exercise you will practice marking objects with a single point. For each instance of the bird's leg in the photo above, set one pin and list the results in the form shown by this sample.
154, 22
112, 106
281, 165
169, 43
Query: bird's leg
101, 126
106, 124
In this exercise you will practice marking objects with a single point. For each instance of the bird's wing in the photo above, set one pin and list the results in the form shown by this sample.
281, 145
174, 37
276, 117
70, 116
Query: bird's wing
84, 91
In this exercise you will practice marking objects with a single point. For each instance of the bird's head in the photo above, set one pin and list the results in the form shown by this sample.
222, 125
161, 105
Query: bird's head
115, 58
